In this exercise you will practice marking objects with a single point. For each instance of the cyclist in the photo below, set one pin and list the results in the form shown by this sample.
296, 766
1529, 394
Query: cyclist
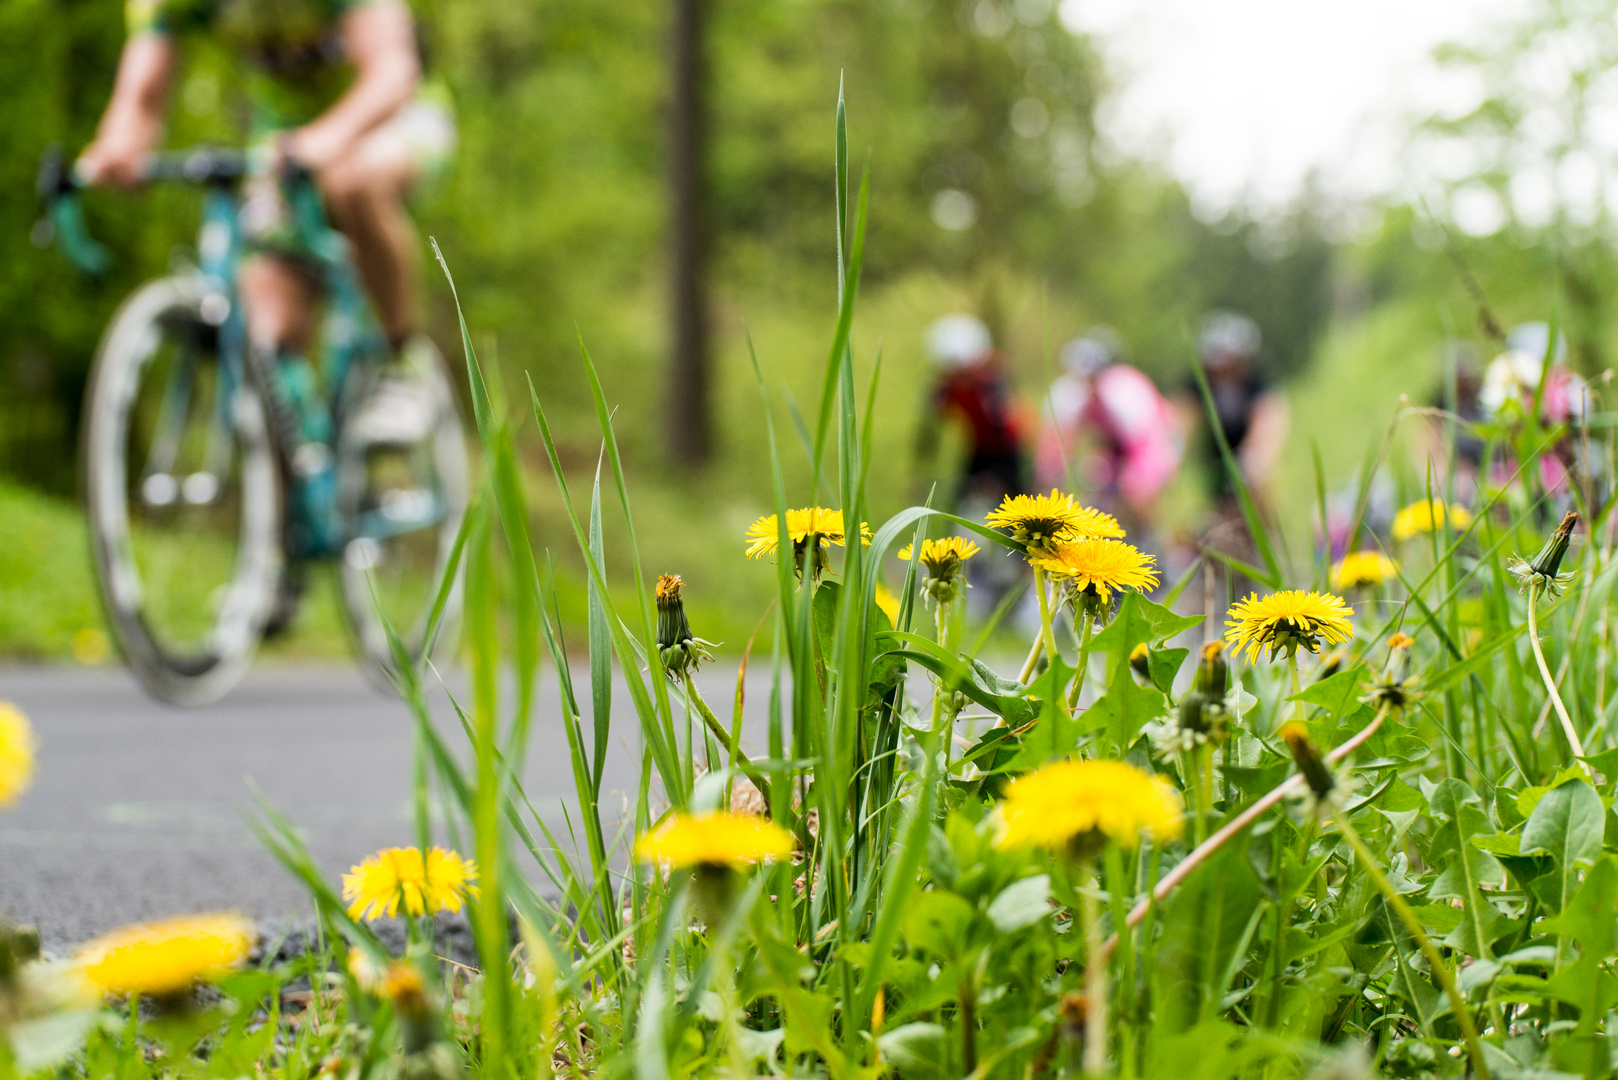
1252, 416
1109, 419
972, 387
337, 93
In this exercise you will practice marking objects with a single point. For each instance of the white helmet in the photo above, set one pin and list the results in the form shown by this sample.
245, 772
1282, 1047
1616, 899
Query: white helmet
1087, 355
1228, 335
958, 340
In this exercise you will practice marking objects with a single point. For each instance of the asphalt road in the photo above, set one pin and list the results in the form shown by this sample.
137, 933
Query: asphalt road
139, 809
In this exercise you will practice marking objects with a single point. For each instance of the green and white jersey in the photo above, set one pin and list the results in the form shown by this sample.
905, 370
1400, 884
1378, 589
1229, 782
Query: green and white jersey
293, 48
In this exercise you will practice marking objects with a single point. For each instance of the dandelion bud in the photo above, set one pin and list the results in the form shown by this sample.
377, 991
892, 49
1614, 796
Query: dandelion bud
1549, 559
1310, 764
1330, 666
1544, 571
1213, 676
680, 650
942, 562
1140, 662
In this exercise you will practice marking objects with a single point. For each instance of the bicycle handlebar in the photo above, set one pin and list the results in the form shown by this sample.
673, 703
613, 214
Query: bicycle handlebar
59, 187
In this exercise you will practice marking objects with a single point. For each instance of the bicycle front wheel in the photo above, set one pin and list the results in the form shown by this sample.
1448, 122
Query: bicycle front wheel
402, 487
182, 493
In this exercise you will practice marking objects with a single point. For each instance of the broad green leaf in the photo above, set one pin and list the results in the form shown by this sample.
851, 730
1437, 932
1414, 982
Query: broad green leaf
1139, 620
1336, 693
1020, 904
940, 923
1124, 710
1567, 823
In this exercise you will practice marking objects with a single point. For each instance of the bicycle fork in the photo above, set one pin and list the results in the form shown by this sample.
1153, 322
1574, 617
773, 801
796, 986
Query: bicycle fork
302, 437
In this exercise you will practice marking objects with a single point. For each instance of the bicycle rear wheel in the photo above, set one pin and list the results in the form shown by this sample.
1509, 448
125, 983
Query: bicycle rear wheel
182, 494
402, 487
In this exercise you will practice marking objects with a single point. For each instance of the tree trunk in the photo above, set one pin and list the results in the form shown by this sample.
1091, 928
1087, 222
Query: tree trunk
690, 411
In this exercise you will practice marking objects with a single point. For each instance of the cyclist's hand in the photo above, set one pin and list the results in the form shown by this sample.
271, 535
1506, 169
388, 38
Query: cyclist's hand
315, 146
121, 162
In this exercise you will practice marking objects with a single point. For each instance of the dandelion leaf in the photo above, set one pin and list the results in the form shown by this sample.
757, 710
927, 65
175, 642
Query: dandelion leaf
1140, 621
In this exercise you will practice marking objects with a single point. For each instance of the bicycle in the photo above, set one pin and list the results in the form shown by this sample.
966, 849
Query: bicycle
204, 502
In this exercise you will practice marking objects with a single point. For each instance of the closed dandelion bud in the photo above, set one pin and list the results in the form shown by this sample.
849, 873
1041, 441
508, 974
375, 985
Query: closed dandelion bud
1549, 560
681, 651
1310, 764
1544, 571
1330, 666
1140, 662
1213, 675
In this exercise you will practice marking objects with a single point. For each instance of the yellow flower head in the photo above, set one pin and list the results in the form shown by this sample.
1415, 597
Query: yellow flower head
717, 839
1077, 805
942, 558
943, 583
1359, 569
1043, 521
16, 753
1427, 516
888, 603
424, 886
168, 956
1098, 567
764, 534
1286, 621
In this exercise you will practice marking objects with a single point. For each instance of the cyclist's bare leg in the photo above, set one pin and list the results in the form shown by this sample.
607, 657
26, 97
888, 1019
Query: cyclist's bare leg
364, 192
280, 301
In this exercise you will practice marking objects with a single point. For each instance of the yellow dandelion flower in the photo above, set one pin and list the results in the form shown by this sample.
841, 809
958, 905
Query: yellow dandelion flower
168, 956
1286, 621
1428, 516
888, 603
16, 753
1363, 569
1041, 521
392, 877
942, 558
1078, 805
764, 534
1100, 568
716, 839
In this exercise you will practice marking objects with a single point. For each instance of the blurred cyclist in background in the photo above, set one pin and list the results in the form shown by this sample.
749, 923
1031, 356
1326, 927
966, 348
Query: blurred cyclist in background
1106, 431
972, 391
1253, 419
336, 89
1250, 414
1507, 398
337, 95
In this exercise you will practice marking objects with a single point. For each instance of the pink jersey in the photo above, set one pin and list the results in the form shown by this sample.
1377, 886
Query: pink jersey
1123, 426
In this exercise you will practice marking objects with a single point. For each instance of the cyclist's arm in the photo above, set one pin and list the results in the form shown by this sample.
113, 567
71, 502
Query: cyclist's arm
380, 40
133, 123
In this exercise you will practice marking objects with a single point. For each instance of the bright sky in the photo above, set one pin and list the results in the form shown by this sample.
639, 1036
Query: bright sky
1243, 98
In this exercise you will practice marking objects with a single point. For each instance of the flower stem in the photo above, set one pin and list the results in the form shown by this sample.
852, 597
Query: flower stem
1572, 734
1046, 639
738, 757
1087, 626
941, 719
1297, 686
1196, 764
1441, 972
1095, 973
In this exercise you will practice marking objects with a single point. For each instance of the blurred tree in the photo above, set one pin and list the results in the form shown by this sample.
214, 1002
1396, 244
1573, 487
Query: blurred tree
976, 118
690, 399
1526, 153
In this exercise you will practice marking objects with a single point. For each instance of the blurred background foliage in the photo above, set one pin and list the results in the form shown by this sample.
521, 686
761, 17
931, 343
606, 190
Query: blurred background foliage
990, 191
